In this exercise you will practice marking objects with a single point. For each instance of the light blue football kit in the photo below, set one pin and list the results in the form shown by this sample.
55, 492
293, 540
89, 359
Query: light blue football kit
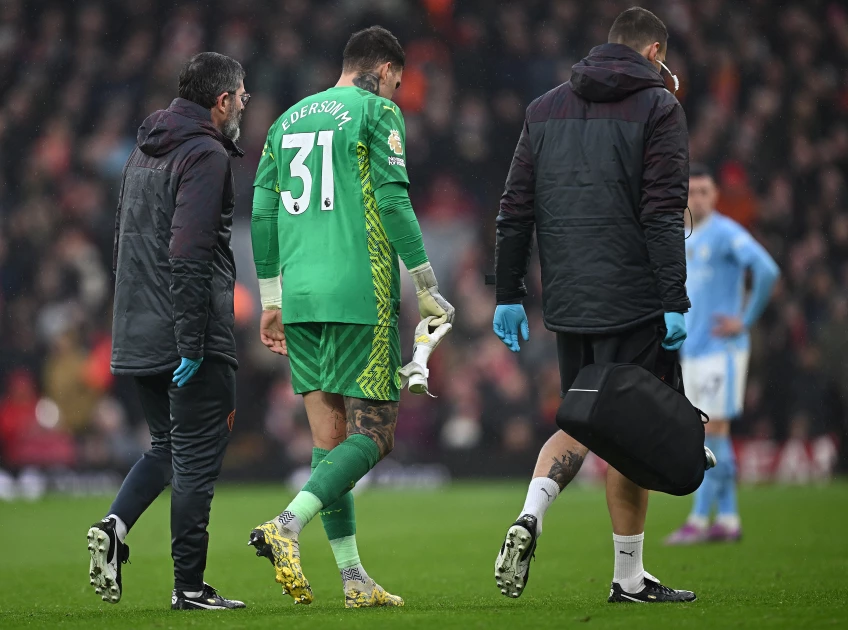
718, 255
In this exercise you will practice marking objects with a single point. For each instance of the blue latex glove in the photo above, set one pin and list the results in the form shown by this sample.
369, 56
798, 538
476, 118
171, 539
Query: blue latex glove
508, 319
187, 369
675, 331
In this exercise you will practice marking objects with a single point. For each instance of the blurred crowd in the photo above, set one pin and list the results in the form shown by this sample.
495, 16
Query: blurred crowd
764, 85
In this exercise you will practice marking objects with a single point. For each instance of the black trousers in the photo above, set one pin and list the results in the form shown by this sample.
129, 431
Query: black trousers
189, 429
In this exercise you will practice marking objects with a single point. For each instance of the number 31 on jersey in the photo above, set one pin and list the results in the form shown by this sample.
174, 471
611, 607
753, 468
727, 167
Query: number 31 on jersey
305, 142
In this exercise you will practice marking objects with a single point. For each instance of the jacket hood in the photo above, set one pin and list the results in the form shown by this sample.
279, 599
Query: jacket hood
166, 129
612, 72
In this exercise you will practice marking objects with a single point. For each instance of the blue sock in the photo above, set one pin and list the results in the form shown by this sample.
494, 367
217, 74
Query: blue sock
706, 495
727, 489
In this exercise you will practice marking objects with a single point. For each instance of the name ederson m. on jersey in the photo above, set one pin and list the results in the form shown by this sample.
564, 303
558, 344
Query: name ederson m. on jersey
325, 156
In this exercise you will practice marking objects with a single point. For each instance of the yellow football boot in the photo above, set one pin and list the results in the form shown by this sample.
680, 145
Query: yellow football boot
368, 594
282, 549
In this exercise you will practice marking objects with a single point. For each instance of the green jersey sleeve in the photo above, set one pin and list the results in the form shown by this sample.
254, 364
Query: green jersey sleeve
267, 175
401, 224
264, 233
387, 145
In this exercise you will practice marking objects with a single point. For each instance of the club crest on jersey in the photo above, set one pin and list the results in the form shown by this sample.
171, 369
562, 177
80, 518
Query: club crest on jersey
394, 142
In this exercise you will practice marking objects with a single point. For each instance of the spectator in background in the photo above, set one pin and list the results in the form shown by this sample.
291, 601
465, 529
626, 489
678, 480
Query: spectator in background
29, 431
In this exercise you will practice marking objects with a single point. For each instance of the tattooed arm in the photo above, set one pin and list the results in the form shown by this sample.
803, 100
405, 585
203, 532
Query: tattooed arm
368, 81
374, 419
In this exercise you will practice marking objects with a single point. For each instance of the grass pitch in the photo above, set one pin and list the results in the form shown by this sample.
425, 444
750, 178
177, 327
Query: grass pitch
437, 549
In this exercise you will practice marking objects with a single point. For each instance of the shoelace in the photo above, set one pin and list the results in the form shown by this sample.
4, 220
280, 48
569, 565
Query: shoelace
123, 553
663, 588
210, 591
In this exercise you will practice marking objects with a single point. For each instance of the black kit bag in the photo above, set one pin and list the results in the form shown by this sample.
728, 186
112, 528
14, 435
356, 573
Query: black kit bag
642, 426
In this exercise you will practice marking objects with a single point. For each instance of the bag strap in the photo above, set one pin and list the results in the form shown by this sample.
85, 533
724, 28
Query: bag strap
669, 370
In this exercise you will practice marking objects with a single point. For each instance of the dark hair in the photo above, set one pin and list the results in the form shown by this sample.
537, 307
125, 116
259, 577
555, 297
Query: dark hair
370, 47
207, 75
700, 170
637, 28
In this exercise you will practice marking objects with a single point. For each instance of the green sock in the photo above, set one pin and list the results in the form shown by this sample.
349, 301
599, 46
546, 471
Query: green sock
339, 522
299, 512
334, 475
341, 468
346, 552
339, 518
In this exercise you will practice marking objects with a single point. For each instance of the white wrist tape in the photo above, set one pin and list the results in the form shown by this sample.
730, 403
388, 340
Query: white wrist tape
271, 293
423, 278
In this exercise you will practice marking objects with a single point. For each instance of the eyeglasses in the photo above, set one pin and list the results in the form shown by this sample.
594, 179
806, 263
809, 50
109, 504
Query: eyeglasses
245, 98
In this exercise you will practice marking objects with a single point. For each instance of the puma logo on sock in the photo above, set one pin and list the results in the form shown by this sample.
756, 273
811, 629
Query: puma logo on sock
626, 553
548, 494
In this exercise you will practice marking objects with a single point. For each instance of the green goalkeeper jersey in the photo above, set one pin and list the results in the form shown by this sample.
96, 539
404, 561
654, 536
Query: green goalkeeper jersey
324, 158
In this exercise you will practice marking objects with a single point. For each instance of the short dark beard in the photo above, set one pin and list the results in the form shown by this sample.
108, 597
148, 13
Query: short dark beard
232, 125
368, 81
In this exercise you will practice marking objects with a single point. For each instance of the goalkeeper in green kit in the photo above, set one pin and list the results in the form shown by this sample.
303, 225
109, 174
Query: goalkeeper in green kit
331, 215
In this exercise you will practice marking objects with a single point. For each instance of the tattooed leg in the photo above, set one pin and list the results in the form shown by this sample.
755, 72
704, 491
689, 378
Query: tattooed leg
370, 437
560, 459
558, 463
374, 419
564, 469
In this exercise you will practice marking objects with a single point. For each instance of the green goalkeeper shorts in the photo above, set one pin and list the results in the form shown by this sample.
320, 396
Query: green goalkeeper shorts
348, 359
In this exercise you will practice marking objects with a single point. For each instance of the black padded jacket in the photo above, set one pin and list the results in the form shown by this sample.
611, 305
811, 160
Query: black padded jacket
174, 267
601, 173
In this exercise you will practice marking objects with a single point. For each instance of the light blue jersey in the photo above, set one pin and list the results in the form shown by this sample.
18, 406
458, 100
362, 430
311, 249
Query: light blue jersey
717, 256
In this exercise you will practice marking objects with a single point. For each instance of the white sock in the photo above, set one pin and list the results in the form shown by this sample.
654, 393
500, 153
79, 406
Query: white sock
120, 527
193, 594
356, 572
731, 521
540, 496
701, 522
629, 572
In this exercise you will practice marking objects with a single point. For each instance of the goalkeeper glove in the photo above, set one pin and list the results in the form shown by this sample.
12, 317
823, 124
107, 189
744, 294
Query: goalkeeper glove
430, 301
415, 373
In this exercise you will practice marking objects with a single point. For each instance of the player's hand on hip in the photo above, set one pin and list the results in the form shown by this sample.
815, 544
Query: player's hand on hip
727, 326
187, 369
430, 301
675, 335
509, 320
272, 332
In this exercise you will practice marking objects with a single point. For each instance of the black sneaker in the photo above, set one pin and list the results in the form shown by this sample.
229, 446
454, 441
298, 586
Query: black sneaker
653, 593
107, 555
512, 566
208, 600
